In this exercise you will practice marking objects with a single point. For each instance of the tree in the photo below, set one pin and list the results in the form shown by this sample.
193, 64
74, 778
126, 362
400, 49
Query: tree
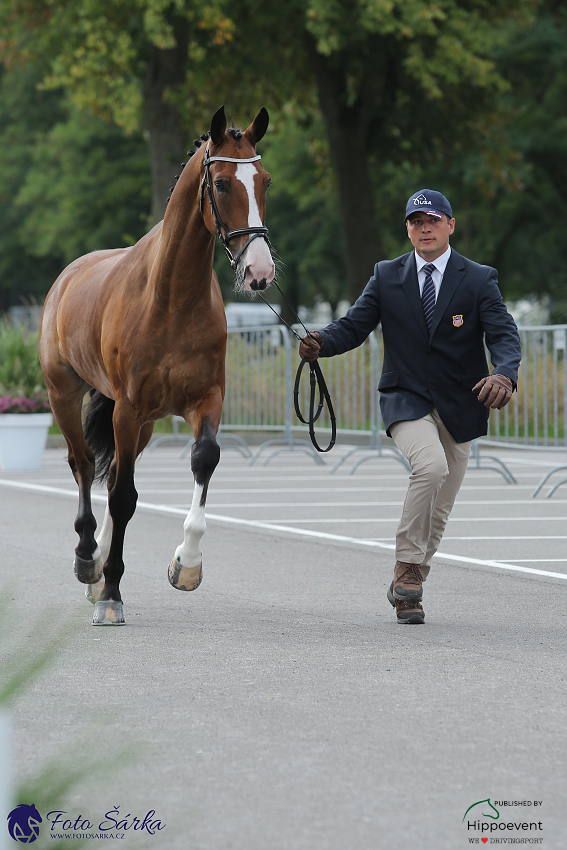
509, 193
86, 188
531, 248
25, 115
70, 182
124, 60
396, 80
392, 74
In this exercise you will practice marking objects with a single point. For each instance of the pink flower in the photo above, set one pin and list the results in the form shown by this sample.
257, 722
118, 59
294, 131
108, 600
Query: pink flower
21, 404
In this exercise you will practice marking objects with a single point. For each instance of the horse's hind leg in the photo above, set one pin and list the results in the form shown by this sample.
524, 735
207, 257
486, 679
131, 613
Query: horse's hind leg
104, 537
186, 571
122, 498
66, 408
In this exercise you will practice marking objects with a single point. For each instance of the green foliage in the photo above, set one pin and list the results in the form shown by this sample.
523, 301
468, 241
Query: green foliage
86, 188
98, 49
25, 116
462, 95
20, 370
440, 43
70, 183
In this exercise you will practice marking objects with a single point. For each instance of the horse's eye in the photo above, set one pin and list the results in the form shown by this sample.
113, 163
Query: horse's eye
220, 186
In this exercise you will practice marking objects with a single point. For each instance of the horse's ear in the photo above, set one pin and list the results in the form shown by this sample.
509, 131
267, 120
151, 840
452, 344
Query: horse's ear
258, 127
218, 126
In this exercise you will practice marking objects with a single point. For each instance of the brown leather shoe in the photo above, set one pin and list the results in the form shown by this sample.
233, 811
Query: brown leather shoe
406, 611
409, 612
408, 582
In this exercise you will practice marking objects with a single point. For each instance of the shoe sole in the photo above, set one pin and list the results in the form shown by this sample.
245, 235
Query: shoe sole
412, 596
418, 618
408, 595
413, 620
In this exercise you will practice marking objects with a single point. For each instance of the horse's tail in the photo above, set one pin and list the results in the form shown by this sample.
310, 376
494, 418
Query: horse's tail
99, 432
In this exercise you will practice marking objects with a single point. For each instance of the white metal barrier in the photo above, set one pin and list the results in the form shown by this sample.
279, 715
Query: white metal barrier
536, 416
260, 369
261, 363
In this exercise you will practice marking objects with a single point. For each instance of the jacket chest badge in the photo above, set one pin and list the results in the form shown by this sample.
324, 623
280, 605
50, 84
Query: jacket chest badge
457, 321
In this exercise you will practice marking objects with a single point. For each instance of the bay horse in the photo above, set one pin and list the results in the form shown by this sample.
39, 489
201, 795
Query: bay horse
144, 330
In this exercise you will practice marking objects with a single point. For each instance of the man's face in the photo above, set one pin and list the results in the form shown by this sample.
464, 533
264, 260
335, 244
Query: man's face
429, 235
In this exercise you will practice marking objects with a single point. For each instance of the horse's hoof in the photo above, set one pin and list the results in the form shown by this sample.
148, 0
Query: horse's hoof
88, 572
108, 613
93, 591
184, 578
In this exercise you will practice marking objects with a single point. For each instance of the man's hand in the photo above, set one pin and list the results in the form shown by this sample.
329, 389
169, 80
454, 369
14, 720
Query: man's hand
495, 391
310, 346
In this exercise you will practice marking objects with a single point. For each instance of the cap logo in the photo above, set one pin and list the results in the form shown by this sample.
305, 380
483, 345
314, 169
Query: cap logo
420, 201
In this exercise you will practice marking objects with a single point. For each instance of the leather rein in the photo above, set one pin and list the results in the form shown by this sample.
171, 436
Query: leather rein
316, 379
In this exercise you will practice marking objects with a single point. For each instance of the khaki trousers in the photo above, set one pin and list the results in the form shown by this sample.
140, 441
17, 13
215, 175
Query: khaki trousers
438, 466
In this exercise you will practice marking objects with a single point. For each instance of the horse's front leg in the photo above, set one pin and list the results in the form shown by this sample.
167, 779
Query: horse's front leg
186, 569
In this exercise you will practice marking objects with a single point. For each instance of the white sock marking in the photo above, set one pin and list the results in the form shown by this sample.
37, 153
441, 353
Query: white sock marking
189, 553
104, 537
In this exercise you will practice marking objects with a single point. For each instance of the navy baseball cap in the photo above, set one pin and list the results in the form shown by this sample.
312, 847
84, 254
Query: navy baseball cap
430, 202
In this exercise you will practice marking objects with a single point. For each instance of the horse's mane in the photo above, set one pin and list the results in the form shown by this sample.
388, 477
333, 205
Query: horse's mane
235, 132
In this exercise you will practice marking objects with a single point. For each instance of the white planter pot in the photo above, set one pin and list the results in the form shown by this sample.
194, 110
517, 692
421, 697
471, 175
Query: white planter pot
22, 439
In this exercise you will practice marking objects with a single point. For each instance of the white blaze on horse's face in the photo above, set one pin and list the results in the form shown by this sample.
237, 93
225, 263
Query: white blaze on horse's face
257, 260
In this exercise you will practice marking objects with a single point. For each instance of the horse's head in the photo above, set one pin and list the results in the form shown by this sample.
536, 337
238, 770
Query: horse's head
236, 185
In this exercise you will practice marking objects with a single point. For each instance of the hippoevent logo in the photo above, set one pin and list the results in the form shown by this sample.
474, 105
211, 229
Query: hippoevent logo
485, 821
24, 821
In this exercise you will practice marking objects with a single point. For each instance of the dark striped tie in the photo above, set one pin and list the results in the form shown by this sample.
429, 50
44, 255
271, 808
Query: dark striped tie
428, 294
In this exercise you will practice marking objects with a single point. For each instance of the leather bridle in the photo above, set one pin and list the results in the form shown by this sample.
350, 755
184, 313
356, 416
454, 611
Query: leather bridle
224, 234
317, 380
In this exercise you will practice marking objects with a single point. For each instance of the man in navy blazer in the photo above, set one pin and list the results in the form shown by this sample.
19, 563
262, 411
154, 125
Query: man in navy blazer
437, 310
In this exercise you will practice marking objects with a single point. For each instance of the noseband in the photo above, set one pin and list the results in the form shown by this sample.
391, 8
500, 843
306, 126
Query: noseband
227, 235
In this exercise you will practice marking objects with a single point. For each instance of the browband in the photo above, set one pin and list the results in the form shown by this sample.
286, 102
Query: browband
229, 158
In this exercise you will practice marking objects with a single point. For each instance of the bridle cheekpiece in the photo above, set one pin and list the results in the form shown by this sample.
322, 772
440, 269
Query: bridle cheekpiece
222, 230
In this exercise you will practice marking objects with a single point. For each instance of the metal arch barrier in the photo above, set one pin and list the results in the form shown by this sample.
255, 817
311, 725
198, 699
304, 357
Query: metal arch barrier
225, 441
536, 417
375, 449
261, 362
259, 384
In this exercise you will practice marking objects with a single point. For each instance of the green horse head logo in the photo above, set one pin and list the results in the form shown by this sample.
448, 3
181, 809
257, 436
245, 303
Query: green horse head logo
484, 814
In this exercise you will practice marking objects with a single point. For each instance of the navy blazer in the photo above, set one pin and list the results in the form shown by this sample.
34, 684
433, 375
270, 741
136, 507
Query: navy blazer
424, 370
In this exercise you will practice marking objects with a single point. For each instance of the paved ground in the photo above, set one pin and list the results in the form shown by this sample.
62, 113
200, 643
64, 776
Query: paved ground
280, 707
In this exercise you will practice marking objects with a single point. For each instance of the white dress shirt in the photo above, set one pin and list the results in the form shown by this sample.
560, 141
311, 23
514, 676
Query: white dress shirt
437, 274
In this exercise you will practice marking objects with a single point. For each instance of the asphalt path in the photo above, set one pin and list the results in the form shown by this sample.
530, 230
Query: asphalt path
280, 706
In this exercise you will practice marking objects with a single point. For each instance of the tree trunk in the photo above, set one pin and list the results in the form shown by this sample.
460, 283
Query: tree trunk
167, 140
347, 127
